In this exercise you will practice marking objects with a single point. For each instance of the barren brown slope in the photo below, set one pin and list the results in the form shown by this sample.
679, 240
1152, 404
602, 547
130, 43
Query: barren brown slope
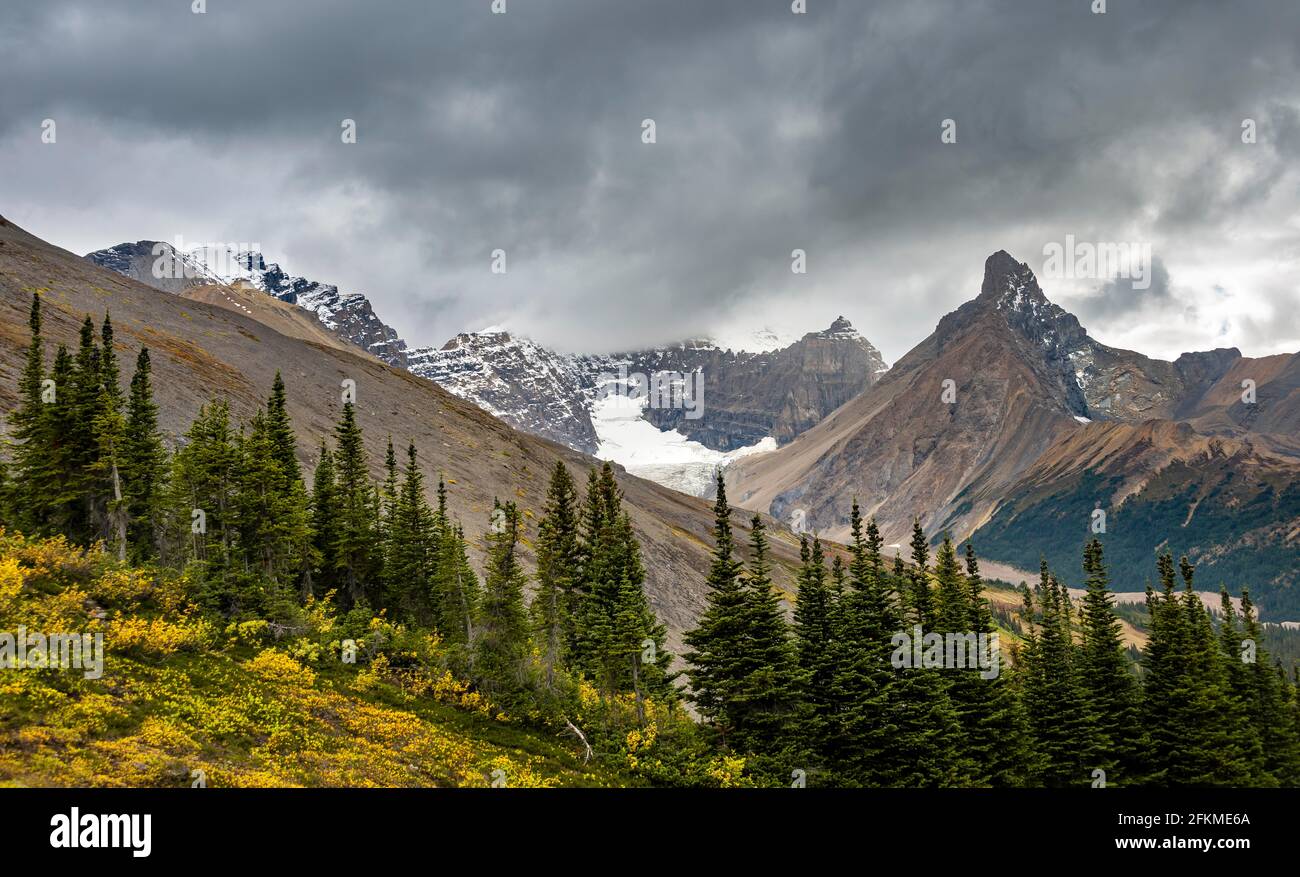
901, 450
200, 350
285, 318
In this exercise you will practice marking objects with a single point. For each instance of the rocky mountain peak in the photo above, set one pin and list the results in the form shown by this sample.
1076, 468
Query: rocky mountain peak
347, 315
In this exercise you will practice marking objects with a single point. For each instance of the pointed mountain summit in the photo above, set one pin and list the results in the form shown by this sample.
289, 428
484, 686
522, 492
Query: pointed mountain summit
965, 412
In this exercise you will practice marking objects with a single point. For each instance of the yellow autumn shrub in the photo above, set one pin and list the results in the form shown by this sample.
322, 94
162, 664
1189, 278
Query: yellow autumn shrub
275, 666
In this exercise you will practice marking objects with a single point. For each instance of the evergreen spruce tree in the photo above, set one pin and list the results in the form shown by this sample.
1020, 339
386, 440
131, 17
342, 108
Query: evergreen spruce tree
271, 516
614, 625
864, 737
110, 374
768, 693
58, 480
559, 566
919, 598
84, 498
203, 491
284, 442
1062, 728
143, 464
354, 543
993, 720
501, 647
413, 553
324, 521
109, 428
1267, 705
815, 636
35, 484
1109, 686
717, 647
458, 590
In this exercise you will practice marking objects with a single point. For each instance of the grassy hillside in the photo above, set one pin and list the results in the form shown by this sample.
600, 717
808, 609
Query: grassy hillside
180, 694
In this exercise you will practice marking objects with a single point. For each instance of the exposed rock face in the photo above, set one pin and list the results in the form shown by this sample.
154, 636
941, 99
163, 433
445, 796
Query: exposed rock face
348, 315
1024, 374
523, 383
156, 264
749, 396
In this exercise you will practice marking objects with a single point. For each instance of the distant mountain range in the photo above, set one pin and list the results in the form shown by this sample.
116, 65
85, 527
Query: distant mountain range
748, 396
1011, 424
348, 315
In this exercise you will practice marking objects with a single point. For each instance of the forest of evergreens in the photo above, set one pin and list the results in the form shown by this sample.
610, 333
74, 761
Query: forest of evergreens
757, 699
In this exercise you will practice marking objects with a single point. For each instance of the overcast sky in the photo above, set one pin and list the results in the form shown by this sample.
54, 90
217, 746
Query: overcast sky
775, 131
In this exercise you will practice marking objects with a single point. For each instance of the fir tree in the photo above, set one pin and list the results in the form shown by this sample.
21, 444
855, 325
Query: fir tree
1063, 729
919, 599
354, 542
767, 693
324, 520
1109, 686
863, 735
414, 548
501, 647
35, 488
716, 644
144, 463
815, 637
559, 566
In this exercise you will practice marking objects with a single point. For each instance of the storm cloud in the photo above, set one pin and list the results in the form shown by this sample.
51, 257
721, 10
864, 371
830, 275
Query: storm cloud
774, 132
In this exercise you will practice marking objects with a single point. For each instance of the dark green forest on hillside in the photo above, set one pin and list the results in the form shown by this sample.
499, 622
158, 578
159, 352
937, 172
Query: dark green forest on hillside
1232, 517
215, 566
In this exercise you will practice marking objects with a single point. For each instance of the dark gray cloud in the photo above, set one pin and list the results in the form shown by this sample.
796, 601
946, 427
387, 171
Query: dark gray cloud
1129, 297
775, 131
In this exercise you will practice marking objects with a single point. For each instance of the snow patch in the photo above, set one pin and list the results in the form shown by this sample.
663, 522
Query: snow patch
666, 457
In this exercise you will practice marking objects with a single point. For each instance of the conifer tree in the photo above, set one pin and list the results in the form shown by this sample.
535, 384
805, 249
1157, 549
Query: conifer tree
324, 520
414, 548
457, 588
501, 647
863, 735
271, 515
815, 636
559, 566
144, 463
768, 694
203, 498
716, 644
354, 542
1062, 727
284, 442
110, 374
1267, 705
1109, 686
35, 477
108, 429
919, 598
83, 497
994, 727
